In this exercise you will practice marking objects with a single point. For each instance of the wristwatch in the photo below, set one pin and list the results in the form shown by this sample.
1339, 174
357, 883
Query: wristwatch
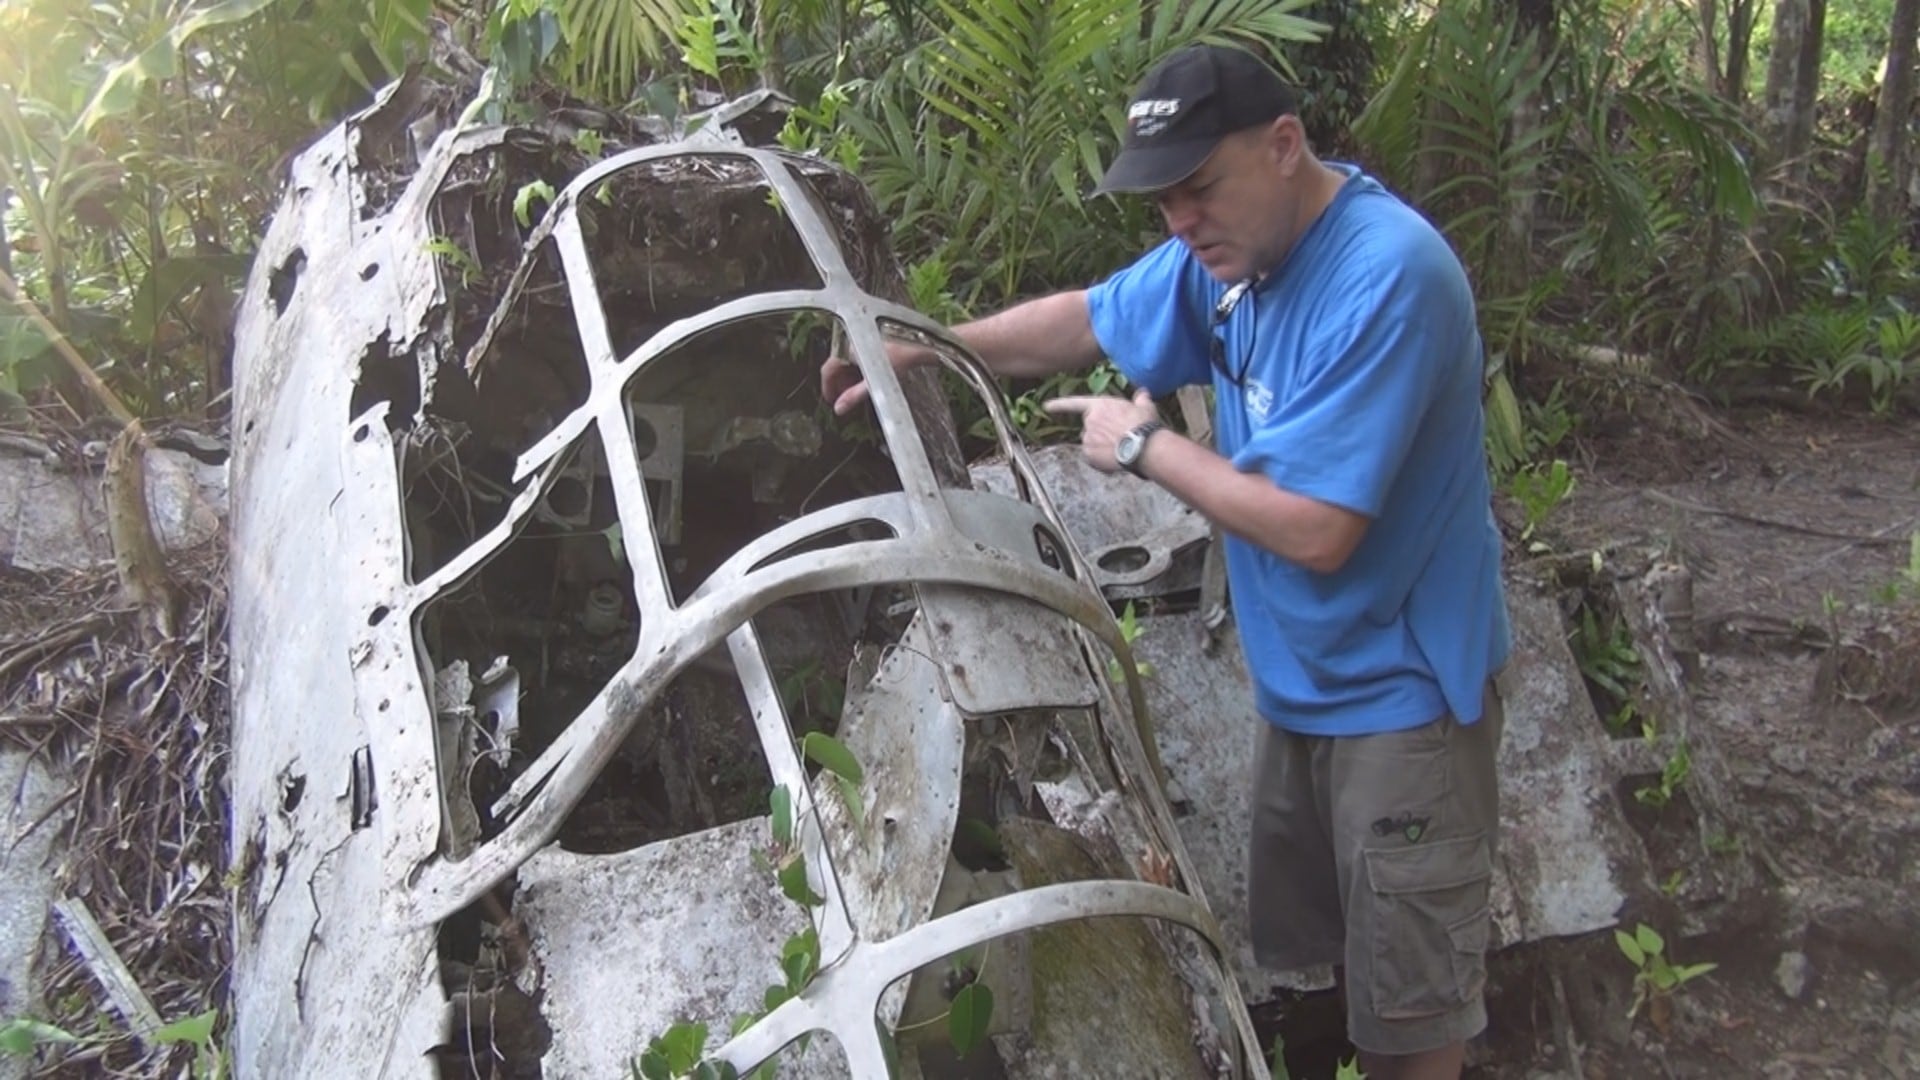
1131, 445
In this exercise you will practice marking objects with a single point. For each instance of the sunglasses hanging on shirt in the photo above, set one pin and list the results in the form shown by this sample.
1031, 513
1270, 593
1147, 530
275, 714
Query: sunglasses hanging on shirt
1217, 345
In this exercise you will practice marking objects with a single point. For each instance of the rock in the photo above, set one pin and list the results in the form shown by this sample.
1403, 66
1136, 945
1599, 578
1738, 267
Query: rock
28, 861
1900, 1052
1882, 744
52, 516
1789, 758
1792, 973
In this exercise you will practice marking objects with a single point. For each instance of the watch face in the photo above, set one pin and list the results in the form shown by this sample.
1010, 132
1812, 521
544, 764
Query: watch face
1127, 448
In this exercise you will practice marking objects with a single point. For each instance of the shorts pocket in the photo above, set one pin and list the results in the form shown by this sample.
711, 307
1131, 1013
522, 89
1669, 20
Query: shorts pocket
1430, 922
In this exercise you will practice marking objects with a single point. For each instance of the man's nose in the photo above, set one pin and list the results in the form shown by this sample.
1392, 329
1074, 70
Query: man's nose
1180, 214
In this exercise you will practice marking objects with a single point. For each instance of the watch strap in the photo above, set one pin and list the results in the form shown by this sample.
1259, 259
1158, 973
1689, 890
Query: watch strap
1139, 436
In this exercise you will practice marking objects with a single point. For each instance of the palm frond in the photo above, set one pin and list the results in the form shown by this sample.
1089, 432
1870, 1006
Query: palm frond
611, 44
1389, 126
995, 126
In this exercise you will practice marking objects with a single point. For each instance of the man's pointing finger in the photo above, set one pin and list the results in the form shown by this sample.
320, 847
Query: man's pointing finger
1074, 404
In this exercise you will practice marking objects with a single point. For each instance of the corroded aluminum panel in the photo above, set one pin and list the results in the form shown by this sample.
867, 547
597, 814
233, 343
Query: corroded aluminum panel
1567, 860
1209, 737
1139, 539
890, 868
626, 942
324, 986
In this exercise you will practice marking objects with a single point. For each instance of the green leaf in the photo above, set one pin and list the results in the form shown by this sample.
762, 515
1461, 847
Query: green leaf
677, 1051
969, 1017
831, 755
981, 834
793, 882
523, 200
800, 959
782, 801
798, 969
120, 87
20, 340
197, 1030
172, 278
856, 807
19, 1036
709, 1070
1631, 948
1649, 939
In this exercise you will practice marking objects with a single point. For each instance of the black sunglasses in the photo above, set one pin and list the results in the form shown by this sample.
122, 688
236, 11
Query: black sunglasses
1217, 345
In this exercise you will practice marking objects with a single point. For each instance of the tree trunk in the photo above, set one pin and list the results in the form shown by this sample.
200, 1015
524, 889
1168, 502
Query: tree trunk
1740, 19
145, 580
1793, 81
1538, 17
766, 37
1891, 164
1706, 48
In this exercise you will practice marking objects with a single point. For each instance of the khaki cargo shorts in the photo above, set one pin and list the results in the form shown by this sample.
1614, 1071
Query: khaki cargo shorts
1376, 852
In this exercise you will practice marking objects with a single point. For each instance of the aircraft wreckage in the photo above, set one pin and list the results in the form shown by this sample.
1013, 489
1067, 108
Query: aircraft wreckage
592, 678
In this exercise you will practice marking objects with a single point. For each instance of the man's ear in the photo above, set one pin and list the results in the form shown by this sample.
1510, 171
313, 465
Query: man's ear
1287, 142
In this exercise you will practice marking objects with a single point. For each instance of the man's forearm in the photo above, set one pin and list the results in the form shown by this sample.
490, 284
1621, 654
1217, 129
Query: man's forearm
1299, 529
1041, 337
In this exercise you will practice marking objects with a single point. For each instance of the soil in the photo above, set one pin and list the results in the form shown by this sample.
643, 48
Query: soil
1798, 530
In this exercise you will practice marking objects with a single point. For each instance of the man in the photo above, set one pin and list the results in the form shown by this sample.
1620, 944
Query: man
1337, 330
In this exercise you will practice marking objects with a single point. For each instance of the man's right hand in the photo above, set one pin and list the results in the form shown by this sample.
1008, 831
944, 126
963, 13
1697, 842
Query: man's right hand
842, 384
1031, 340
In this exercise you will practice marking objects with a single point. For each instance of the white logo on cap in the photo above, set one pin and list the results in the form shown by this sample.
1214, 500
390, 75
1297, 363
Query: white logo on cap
1148, 117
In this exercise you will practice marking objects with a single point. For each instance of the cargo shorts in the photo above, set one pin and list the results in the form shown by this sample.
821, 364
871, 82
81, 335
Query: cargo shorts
1376, 852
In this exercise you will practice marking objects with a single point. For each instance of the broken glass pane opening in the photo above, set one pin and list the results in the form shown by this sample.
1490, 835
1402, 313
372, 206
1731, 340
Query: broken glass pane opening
555, 605
809, 643
928, 399
674, 237
692, 762
856, 532
458, 476
735, 414
532, 372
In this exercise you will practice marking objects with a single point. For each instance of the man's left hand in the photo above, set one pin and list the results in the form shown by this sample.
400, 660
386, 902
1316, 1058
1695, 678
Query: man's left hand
1104, 420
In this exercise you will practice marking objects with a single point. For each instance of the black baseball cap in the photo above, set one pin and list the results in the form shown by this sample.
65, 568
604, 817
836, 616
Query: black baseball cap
1184, 107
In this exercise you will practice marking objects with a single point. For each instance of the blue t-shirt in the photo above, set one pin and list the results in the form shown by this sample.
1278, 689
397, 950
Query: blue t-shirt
1362, 389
